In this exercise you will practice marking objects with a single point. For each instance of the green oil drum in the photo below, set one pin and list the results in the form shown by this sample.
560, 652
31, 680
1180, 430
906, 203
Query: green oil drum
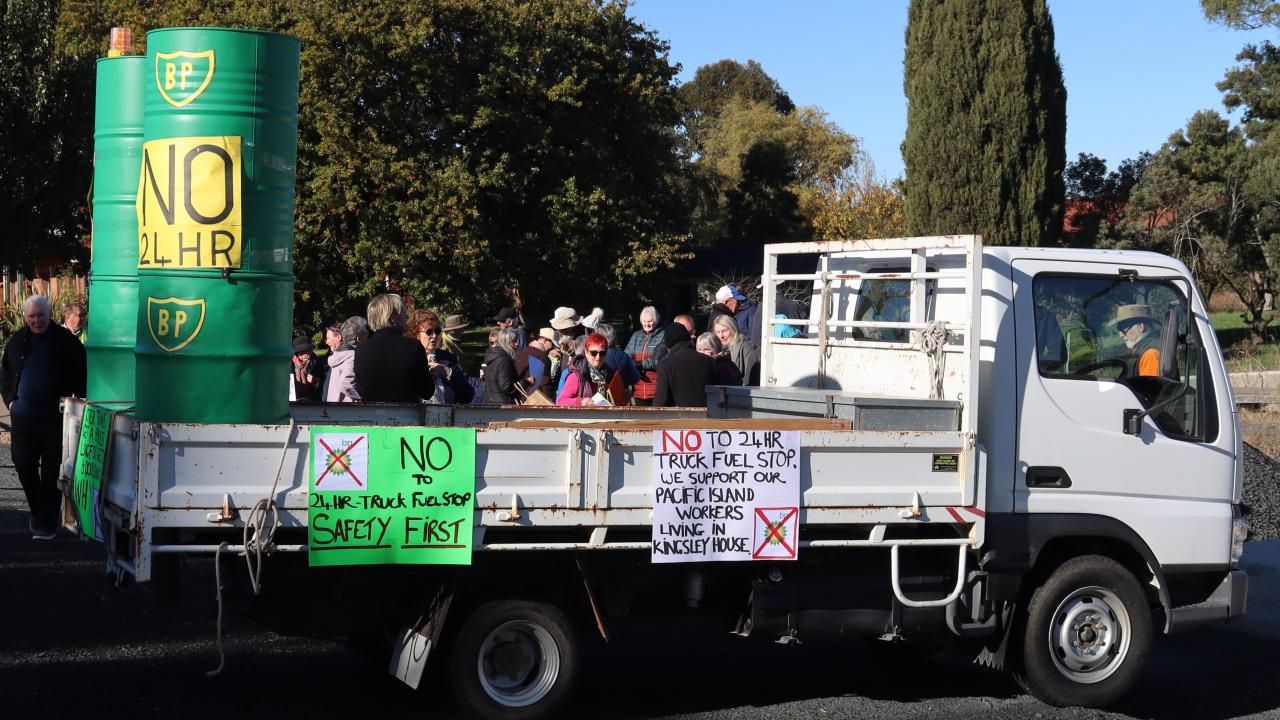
113, 273
215, 226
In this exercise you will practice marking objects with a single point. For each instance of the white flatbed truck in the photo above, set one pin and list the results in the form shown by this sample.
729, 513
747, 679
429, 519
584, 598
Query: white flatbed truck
977, 459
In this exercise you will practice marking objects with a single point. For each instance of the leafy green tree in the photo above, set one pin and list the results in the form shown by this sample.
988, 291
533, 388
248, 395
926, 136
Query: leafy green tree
467, 153
1255, 88
758, 162
703, 98
1242, 14
1096, 199
986, 121
46, 143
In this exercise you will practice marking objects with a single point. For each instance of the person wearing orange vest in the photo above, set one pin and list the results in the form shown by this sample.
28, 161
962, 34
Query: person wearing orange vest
1141, 335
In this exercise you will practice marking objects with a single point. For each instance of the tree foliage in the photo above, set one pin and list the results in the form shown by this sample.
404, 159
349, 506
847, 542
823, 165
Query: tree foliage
1242, 14
986, 121
759, 162
465, 152
1097, 198
863, 208
45, 145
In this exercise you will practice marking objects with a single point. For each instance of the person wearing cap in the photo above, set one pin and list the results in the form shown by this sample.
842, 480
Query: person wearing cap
509, 317
539, 348
306, 371
744, 312
684, 374
1138, 327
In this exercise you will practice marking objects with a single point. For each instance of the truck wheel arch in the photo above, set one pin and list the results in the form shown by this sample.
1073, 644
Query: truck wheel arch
1031, 546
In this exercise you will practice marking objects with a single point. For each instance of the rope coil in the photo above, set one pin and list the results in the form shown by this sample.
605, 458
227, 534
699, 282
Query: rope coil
933, 338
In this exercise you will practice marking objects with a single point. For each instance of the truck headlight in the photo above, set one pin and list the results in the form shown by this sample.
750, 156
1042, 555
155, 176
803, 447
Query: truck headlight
1239, 532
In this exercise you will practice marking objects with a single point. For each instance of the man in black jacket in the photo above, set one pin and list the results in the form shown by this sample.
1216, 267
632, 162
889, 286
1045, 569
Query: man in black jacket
684, 373
42, 363
389, 366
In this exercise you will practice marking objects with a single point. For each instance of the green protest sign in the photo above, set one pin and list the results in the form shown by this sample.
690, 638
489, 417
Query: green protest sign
382, 495
91, 461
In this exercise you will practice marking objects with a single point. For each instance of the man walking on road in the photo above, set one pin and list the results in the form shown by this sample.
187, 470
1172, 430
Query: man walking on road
42, 363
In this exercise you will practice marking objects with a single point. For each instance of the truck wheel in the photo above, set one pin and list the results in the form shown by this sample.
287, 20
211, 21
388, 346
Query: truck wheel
1086, 634
513, 659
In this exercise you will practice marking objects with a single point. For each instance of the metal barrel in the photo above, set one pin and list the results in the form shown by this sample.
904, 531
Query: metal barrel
113, 273
215, 226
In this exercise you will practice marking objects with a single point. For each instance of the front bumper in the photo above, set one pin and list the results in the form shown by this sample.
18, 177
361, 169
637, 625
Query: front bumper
1226, 603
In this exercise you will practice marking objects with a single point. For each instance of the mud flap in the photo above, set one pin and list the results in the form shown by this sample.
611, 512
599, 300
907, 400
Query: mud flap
415, 642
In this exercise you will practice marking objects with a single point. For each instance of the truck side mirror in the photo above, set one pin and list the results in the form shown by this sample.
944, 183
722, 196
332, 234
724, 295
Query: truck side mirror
1169, 338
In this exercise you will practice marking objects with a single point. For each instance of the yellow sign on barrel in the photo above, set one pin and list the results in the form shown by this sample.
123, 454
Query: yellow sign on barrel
189, 203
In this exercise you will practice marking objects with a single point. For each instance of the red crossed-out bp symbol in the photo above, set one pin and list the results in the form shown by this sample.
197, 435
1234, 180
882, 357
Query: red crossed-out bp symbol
775, 532
339, 458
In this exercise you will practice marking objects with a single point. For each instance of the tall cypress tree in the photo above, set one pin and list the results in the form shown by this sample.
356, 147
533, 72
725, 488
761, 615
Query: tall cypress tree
986, 121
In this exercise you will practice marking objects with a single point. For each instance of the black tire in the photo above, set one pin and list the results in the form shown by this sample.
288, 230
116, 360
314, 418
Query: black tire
513, 660
1085, 636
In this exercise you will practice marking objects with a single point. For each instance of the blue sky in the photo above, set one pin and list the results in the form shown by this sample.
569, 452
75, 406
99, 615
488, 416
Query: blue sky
1135, 70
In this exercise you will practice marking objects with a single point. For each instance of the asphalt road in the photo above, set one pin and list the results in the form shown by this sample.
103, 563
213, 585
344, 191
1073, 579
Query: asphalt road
69, 646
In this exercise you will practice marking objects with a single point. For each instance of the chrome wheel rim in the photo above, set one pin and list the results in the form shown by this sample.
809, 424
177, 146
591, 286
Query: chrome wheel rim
1089, 635
519, 663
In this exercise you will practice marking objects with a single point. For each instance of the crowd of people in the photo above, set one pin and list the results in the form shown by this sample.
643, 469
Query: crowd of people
397, 355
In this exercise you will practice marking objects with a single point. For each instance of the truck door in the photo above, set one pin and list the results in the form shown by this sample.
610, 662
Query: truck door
1084, 336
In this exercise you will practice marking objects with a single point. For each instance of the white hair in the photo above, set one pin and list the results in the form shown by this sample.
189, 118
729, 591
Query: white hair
652, 312
708, 341
508, 341
37, 301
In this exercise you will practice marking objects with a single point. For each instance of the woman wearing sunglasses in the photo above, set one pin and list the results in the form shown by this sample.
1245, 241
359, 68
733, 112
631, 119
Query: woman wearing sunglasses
587, 374
451, 382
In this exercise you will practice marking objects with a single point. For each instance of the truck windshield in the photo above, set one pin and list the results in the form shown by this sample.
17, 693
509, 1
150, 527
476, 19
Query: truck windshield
1092, 327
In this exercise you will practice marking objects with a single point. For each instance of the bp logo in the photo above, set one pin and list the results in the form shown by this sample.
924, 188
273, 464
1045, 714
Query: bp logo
181, 76
174, 322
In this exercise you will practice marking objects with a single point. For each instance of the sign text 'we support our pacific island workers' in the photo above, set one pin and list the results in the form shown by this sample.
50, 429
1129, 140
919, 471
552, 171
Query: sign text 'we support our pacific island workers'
725, 495
382, 495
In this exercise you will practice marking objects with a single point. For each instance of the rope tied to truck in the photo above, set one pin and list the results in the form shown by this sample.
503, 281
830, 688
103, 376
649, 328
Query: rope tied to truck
259, 534
933, 338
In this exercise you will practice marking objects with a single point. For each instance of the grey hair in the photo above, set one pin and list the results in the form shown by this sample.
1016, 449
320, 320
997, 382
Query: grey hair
580, 345
37, 301
386, 311
508, 340
729, 322
606, 330
354, 330
708, 341
651, 310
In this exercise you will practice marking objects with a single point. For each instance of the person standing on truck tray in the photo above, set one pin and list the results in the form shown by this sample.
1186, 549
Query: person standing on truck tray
684, 374
389, 366
42, 363
646, 349
1141, 335
451, 383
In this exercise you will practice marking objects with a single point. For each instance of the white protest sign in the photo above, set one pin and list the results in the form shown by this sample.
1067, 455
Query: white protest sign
725, 495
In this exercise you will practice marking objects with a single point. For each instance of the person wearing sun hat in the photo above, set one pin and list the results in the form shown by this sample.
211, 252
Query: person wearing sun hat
1137, 325
455, 324
566, 321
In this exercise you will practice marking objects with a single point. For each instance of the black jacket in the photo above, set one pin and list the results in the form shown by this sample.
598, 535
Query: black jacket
392, 368
68, 357
499, 377
683, 376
